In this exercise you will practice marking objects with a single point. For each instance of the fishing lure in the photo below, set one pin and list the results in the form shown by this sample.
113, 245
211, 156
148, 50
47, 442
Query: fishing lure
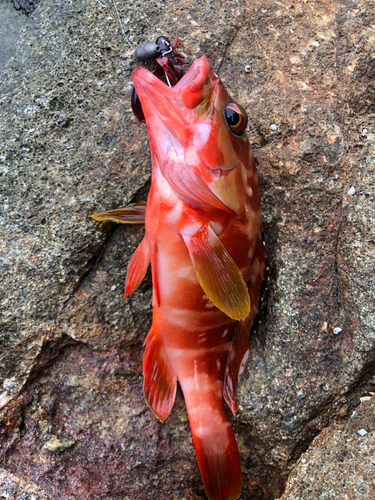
168, 63
203, 240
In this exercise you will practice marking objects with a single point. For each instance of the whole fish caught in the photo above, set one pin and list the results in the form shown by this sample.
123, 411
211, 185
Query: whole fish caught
203, 240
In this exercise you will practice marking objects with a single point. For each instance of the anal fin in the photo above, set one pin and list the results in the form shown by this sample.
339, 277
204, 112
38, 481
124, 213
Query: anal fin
160, 382
237, 356
137, 267
132, 214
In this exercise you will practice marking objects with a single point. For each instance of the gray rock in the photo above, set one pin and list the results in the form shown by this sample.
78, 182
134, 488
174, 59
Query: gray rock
339, 462
27, 6
17, 488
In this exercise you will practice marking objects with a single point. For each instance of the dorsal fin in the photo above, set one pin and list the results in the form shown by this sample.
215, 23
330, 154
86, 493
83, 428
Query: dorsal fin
237, 356
239, 348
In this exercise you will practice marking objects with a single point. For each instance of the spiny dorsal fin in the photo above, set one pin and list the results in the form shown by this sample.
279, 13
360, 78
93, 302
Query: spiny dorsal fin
237, 356
218, 274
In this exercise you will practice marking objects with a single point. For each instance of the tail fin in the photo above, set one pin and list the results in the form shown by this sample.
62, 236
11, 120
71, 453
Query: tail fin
215, 446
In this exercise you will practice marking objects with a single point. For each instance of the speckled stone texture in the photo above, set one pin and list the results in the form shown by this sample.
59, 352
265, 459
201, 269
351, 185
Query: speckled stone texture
339, 463
27, 6
74, 423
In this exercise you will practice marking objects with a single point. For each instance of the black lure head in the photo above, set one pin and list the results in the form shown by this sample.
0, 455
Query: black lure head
147, 51
168, 63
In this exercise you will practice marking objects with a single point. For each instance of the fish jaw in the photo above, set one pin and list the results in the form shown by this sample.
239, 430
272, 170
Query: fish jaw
190, 141
171, 117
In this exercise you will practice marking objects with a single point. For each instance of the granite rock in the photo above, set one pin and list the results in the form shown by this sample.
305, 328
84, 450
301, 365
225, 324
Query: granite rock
28, 6
339, 463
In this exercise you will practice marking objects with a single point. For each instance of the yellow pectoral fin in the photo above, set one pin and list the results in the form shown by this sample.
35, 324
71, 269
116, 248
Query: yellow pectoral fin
132, 214
218, 274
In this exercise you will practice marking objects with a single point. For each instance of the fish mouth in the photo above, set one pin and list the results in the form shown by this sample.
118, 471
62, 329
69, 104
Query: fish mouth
172, 112
193, 88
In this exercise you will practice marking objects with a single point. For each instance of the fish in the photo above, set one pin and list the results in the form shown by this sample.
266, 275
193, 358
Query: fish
203, 238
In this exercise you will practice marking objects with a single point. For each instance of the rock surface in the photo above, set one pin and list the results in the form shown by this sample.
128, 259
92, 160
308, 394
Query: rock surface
11, 21
339, 463
74, 423
27, 6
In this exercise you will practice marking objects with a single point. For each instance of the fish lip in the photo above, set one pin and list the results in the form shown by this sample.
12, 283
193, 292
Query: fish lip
196, 76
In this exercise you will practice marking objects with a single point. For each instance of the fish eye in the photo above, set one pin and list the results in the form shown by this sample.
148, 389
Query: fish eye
235, 117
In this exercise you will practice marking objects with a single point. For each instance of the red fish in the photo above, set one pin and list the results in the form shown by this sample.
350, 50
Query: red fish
203, 239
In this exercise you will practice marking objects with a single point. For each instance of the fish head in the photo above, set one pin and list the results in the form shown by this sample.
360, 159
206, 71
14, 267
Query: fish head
194, 140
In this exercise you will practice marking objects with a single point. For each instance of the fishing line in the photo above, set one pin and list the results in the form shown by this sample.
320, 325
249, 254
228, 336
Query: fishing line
122, 28
130, 45
166, 76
